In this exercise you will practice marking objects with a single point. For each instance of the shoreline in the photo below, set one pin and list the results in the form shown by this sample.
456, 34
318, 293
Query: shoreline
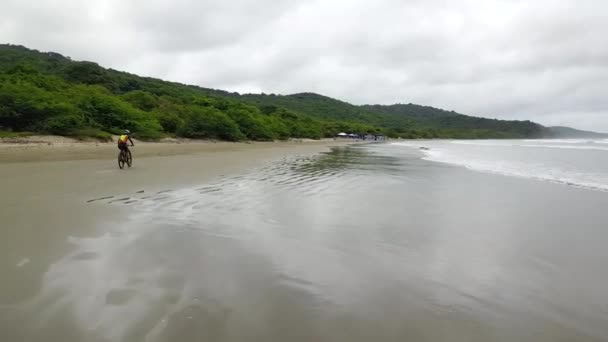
51, 189
143, 269
56, 148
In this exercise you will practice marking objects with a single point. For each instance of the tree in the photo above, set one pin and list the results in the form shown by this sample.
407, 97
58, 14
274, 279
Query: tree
210, 123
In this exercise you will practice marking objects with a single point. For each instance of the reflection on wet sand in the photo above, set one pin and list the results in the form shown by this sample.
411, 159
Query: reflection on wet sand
357, 244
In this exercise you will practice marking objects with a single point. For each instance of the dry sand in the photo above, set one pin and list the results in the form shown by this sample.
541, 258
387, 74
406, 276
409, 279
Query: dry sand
45, 189
54, 148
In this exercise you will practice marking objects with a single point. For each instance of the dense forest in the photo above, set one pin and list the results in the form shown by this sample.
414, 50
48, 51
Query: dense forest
406, 121
46, 92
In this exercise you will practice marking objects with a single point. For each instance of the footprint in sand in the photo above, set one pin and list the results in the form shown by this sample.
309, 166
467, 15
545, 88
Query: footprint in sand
120, 200
99, 199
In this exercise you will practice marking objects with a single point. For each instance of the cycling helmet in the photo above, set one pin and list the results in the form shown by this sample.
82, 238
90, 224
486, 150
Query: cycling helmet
127, 131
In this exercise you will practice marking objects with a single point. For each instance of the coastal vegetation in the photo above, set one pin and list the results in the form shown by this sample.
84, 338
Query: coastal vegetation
46, 92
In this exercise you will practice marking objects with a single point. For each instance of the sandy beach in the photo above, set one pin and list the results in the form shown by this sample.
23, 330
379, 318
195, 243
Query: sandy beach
297, 241
46, 189
55, 148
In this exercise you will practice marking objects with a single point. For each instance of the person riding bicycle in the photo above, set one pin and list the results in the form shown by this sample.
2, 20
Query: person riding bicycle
123, 140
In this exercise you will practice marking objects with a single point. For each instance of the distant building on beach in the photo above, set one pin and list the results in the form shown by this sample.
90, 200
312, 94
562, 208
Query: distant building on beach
374, 137
379, 137
366, 137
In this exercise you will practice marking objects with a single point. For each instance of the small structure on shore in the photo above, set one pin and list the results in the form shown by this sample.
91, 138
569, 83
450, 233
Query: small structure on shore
379, 137
347, 135
374, 137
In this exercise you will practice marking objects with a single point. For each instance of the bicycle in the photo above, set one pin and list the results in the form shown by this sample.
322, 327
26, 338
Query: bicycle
124, 157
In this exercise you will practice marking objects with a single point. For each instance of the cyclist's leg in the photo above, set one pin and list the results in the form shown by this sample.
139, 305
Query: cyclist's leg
123, 151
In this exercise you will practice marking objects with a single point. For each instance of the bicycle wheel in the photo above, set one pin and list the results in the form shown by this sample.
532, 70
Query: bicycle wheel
129, 158
121, 161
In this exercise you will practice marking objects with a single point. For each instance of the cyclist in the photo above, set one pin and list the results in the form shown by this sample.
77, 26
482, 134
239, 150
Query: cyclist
123, 140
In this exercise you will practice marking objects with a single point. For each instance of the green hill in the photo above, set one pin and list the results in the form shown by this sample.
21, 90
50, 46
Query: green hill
567, 132
459, 125
408, 121
50, 93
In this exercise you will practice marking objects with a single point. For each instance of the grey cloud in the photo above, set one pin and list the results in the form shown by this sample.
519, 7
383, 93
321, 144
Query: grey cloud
185, 25
544, 60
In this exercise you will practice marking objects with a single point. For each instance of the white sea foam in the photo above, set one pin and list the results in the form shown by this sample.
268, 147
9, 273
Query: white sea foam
482, 142
549, 143
493, 163
571, 147
560, 141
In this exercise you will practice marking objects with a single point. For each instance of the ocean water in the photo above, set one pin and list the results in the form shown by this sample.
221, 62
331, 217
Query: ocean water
461, 241
576, 162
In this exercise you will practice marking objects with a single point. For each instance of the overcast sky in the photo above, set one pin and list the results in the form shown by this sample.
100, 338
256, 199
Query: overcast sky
544, 60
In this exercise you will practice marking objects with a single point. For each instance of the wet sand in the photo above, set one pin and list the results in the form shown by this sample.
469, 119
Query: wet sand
47, 191
366, 243
61, 149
